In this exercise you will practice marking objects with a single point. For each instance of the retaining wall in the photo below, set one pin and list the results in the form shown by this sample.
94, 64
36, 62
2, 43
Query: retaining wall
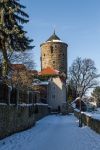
42, 110
93, 123
14, 119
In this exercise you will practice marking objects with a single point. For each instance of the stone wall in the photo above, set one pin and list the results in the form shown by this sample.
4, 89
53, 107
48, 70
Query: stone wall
14, 119
41, 111
93, 123
54, 55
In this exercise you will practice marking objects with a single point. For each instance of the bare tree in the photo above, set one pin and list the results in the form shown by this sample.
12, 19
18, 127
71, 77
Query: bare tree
21, 77
0, 64
83, 73
25, 58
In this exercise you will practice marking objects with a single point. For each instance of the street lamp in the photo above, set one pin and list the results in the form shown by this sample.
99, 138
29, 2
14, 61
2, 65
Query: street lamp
67, 83
67, 103
79, 89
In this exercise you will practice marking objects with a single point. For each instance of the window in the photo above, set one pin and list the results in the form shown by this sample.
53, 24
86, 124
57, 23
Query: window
53, 96
51, 49
44, 55
53, 62
54, 88
54, 46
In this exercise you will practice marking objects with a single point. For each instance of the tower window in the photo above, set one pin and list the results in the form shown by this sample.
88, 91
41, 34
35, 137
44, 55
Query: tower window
54, 46
51, 49
53, 62
44, 54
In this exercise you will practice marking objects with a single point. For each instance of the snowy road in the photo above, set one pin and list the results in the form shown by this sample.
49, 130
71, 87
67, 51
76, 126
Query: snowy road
54, 133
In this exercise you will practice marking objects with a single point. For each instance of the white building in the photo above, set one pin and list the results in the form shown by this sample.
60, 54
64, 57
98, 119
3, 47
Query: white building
56, 90
57, 94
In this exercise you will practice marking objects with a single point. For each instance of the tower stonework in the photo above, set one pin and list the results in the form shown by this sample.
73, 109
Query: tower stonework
54, 54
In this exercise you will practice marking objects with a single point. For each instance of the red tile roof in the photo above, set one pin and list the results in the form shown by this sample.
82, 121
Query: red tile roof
35, 72
49, 71
18, 66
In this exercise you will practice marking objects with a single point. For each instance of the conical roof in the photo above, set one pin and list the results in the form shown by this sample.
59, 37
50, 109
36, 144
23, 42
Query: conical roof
53, 37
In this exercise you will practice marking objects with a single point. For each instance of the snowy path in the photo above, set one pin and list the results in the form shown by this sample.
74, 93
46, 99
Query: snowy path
54, 133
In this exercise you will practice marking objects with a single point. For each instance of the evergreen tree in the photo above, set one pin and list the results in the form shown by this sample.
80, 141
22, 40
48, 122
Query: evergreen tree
12, 35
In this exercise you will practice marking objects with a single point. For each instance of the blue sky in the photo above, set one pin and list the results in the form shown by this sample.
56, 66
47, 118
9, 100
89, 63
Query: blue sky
77, 22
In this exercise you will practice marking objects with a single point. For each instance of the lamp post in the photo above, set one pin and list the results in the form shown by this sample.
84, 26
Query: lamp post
79, 89
67, 83
67, 104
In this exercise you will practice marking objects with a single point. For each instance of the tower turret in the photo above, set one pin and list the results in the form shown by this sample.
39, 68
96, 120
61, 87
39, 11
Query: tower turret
54, 54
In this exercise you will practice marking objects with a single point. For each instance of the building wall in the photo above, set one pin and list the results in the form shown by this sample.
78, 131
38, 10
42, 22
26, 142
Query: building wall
56, 93
54, 55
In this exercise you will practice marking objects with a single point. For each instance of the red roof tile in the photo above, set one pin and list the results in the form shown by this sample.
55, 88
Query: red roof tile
18, 66
49, 71
35, 72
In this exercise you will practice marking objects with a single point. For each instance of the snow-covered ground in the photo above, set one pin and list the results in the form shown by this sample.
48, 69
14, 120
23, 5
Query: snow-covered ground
54, 133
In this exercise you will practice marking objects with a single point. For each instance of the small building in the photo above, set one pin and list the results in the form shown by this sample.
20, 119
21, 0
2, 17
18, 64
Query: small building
85, 104
56, 90
76, 104
42, 88
57, 94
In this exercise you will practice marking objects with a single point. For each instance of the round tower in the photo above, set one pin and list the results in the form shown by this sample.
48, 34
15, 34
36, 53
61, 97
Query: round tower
54, 54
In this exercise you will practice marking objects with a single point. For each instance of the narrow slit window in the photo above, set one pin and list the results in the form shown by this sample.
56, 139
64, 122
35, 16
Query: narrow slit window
51, 49
53, 62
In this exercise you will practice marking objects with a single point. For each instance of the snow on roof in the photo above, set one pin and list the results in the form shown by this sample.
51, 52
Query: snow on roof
41, 83
44, 83
78, 98
83, 99
56, 41
41, 104
53, 38
24, 104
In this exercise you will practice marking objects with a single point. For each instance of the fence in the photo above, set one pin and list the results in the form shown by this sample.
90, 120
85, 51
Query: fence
12, 95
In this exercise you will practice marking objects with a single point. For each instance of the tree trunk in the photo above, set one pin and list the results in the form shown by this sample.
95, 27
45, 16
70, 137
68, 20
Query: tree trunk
5, 64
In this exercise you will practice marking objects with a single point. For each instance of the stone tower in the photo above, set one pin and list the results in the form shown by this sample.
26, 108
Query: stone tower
54, 54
